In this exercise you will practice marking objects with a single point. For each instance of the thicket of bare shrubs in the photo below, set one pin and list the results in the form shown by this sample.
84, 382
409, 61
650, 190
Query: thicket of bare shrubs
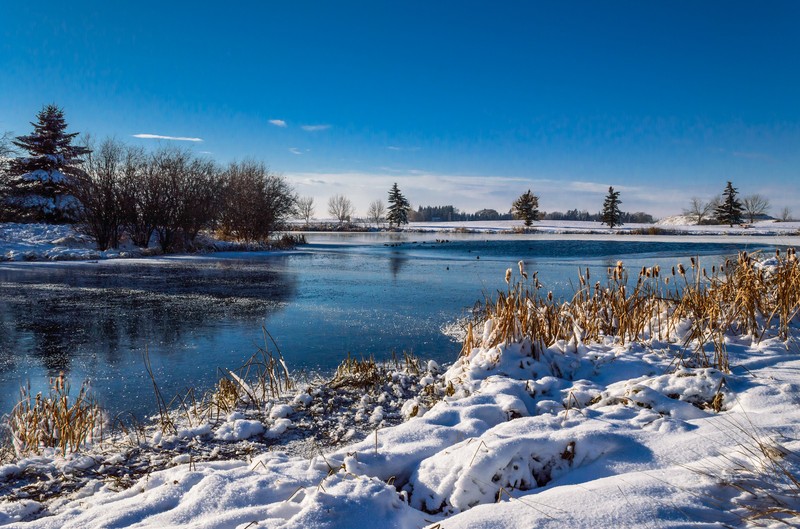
171, 195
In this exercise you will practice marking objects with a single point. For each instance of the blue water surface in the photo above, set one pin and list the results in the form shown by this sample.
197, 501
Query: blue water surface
364, 294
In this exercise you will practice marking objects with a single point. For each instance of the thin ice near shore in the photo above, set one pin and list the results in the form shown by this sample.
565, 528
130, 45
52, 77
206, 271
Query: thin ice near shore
570, 435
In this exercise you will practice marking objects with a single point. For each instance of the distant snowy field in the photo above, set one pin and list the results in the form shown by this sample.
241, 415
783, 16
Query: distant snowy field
678, 224
28, 242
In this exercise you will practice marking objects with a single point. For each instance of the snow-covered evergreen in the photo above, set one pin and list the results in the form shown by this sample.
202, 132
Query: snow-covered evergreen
38, 182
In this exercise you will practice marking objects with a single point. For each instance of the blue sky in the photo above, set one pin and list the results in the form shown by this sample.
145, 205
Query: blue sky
463, 103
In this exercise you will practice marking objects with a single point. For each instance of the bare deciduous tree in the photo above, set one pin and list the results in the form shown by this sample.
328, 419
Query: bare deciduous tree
376, 212
786, 214
755, 205
7, 150
97, 190
699, 209
256, 202
340, 207
140, 195
305, 208
6, 147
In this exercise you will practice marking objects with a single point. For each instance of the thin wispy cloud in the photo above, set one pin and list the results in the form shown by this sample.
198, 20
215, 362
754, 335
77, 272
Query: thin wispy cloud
295, 150
315, 128
278, 123
398, 149
169, 138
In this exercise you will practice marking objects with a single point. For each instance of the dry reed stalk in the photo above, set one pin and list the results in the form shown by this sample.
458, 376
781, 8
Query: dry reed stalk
739, 297
55, 420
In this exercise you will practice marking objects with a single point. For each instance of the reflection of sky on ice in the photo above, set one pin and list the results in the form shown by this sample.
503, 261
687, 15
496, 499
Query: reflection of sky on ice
358, 294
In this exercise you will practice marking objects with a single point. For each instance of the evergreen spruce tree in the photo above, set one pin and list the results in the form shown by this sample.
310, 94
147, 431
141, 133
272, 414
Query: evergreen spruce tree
398, 207
729, 211
526, 207
38, 183
611, 214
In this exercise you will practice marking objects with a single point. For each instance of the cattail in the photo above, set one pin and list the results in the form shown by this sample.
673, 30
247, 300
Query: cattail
522, 271
550, 296
508, 276
656, 270
681, 269
587, 273
692, 260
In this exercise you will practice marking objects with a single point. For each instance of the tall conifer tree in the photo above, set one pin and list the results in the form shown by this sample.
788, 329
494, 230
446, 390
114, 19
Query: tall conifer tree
730, 209
38, 183
611, 214
398, 207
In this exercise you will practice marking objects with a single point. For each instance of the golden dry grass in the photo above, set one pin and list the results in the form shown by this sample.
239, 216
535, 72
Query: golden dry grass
740, 297
55, 420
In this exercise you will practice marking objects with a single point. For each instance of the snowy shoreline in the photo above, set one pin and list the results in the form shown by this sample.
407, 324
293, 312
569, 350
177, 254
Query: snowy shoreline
54, 242
580, 433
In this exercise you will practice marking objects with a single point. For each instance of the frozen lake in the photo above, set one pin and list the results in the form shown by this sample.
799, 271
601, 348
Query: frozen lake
366, 294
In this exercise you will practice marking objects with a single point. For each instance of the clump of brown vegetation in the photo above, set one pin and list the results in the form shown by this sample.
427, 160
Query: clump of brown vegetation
55, 420
743, 296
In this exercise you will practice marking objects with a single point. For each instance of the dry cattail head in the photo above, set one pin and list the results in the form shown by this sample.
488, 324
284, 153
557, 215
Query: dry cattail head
508, 276
656, 270
681, 269
692, 260
666, 280
522, 271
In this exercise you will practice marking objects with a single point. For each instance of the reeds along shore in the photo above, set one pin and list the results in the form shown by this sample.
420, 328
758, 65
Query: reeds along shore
698, 306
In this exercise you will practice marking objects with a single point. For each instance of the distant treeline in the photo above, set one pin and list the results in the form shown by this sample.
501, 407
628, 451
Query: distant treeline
451, 214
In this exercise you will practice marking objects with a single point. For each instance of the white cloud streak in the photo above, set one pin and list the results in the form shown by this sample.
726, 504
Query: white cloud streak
295, 150
315, 128
162, 137
278, 123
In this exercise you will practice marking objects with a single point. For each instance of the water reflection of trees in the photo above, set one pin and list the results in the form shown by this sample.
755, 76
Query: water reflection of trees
56, 314
396, 262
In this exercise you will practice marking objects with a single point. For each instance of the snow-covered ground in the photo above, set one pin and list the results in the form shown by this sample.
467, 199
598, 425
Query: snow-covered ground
678, 225
61, 242
511, 435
